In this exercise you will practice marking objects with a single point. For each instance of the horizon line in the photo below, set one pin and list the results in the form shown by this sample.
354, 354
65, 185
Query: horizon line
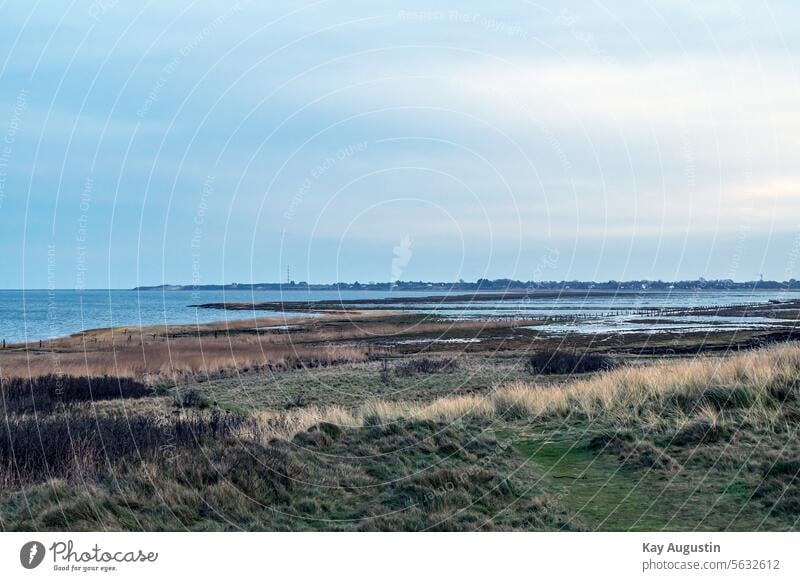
295, 284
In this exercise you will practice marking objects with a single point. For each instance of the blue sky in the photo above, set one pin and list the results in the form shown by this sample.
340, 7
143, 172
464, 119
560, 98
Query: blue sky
145, 143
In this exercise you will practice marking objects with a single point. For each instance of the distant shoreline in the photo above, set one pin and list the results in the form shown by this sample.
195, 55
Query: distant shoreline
500, 285
343, 304
485, 285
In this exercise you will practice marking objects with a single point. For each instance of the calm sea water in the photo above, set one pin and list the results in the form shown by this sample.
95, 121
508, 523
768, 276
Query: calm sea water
31, 315
39, 314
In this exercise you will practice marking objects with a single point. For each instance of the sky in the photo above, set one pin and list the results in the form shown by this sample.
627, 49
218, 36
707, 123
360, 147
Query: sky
205, 142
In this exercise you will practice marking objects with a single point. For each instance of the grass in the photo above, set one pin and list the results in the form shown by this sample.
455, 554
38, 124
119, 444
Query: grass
174, 359
707, 443
350, 385
605, 494
762, 384
760, 387
413, 475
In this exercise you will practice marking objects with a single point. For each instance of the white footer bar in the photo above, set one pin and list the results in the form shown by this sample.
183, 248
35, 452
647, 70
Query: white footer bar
440, 556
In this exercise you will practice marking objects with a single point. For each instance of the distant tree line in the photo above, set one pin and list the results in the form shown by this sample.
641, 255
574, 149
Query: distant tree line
500, 284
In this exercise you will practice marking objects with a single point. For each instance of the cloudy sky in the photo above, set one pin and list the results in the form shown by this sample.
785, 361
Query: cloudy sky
152, 142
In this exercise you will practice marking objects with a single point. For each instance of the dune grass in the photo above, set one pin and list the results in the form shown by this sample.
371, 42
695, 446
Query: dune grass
762, 385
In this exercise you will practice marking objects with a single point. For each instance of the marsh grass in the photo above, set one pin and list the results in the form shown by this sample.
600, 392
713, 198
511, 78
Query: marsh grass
758, 383
174, 359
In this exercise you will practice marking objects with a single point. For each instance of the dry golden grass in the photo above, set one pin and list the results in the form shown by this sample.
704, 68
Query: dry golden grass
111, 336
157, 353
702, 388
364, 329
255, 329
171, 358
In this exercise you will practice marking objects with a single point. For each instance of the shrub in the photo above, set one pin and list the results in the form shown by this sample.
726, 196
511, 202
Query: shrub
43, 394
562, 363
191, 398
66, 446
424, 365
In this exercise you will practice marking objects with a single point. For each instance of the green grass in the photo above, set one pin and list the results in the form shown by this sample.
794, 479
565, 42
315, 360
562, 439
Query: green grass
410, 475
600, 492
351, 385
413, 475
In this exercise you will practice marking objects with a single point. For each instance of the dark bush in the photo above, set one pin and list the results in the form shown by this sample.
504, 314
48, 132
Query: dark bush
700, 432
43, 394
313, 438
332, 430
563, 362
424, 365
33, 450
191, 398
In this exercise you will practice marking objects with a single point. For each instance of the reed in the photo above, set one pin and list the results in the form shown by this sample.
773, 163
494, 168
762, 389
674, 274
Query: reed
170, 359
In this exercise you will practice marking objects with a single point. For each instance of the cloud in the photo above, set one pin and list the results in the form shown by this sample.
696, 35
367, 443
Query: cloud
510, 124
700, 92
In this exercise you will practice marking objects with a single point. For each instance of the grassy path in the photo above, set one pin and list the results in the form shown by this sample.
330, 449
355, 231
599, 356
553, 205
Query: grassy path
603, 494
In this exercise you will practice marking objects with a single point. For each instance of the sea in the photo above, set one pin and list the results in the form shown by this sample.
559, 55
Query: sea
31, 315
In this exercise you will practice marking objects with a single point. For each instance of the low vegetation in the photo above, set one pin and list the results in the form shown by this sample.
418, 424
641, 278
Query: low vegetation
211, 470
84, 446
721, 427
760, 387
173, 359
424, 365
564, 363
45, 393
